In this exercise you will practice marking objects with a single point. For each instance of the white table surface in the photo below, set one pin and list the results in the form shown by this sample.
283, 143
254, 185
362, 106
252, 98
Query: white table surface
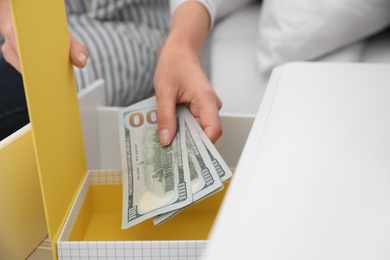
313, 181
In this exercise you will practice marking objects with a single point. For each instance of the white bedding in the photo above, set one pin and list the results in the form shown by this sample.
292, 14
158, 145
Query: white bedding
233, 66
229, 57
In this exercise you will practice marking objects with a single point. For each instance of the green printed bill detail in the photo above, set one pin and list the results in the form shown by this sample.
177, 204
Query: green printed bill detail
204, 178
155, 178
219, 163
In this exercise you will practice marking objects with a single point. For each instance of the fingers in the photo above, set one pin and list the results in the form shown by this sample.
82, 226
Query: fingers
208, 112
9, 36
11, 56
219, 103
10, 49
78, 53
210, 121
166, 117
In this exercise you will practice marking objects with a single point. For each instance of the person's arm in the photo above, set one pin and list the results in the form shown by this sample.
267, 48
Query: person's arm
179, 77
78, 53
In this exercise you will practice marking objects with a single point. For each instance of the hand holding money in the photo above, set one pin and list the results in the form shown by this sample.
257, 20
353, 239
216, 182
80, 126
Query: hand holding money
159, 181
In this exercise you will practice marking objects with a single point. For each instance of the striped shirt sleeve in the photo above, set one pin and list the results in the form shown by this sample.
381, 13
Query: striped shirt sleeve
211, 6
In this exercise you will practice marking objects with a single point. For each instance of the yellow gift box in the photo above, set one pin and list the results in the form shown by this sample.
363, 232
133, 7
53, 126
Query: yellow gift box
83, 207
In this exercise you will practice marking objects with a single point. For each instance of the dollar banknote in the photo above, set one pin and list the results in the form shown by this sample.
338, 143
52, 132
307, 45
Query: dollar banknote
156, 179
223, 170
204, 178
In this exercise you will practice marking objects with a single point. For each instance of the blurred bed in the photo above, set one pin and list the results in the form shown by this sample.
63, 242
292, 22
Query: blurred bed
230, 54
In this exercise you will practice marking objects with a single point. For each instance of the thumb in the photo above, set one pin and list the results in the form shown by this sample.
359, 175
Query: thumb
78, 52
166, 118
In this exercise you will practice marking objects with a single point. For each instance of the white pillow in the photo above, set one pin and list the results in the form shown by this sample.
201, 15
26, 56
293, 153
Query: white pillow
294, 30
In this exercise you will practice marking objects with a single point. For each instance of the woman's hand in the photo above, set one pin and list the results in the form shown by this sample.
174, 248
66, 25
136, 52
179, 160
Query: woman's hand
78, 53
179, 77
9, 48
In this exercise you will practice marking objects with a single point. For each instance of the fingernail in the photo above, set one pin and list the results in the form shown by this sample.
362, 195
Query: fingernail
83, 58
164, 137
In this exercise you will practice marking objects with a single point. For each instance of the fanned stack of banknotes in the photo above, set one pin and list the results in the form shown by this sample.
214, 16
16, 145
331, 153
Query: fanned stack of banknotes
158, 182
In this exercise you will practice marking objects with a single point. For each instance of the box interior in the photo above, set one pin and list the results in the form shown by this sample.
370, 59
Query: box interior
100, 218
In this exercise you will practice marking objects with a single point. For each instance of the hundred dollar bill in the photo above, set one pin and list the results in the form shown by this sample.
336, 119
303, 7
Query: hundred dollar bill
155, 179
219, 163
204, 177
160, 219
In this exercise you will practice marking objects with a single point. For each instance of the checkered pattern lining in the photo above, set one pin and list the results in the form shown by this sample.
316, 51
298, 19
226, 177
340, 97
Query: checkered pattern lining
119, 250
135, 250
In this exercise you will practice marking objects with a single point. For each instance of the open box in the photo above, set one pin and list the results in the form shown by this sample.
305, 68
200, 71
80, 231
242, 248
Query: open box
93, 225
82, 207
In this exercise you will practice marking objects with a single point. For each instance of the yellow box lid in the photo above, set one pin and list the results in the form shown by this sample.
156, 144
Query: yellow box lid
43, 45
